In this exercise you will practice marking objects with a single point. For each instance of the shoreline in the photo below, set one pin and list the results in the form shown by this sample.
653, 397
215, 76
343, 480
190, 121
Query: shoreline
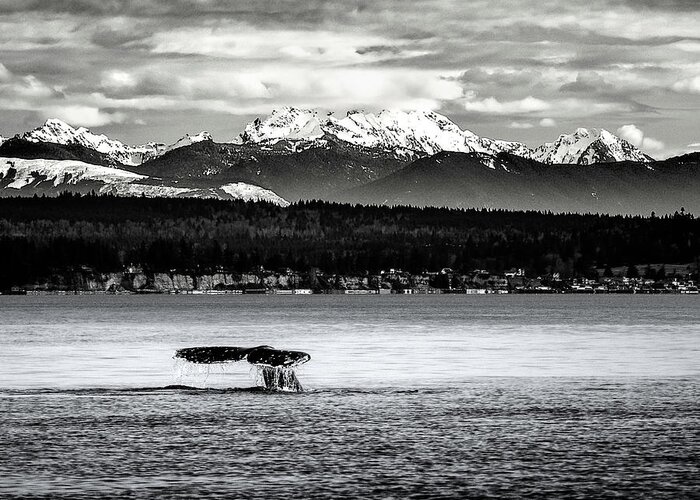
44, 293
136, 280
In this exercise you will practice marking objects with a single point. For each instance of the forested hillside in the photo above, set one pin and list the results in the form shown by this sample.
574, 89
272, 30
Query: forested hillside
39, 236
469, 180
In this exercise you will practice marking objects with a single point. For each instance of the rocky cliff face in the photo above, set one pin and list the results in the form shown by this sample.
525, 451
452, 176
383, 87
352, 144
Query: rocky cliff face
124, 282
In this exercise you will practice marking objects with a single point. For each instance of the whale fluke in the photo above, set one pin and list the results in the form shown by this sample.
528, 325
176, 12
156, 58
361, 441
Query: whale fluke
263, 355
269, 356
275, 367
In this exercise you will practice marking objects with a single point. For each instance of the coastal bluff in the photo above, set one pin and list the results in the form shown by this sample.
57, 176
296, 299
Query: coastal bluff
86, 280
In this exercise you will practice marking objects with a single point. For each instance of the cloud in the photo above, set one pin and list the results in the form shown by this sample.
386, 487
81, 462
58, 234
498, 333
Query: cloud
682, 5
124, 84
27, 87
631, 134
246, 92
85, 116
22, 32
117, 80
507, 77
533, 109
251, 10
687, 45
491, 105
635, 136
688, 85
652, 145
31, 87
5, 74
587, 82
118, 32
625, 22
246, 43
564, 61
520, 125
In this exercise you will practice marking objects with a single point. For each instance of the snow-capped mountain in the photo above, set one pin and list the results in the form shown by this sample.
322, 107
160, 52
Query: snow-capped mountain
291, 124
229, 191
421, 133
188, 140
588, 146
22, 176
17, 173
59, 132
2, 140
151, 150
414, 133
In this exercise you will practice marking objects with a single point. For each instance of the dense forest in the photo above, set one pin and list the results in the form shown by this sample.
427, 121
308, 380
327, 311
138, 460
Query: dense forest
44, 235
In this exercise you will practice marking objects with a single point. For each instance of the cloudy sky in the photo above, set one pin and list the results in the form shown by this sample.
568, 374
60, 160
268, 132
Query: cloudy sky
143, 70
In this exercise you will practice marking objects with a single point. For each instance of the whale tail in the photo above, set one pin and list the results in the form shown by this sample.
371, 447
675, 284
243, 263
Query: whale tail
275, 366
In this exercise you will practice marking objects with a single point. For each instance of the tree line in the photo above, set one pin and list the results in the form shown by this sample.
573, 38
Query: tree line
44, 235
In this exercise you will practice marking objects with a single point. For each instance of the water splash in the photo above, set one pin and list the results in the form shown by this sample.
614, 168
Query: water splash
278, 378
201, 375
208, 375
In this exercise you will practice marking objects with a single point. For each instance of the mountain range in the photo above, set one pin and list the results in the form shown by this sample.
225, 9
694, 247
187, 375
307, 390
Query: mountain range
393, 157
27, 177
58, 132
423, 133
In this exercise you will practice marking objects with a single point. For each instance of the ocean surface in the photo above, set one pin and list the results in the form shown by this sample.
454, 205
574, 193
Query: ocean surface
516, 396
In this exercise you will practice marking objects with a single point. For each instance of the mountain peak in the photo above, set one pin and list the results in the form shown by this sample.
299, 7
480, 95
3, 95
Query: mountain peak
51, 127
63, 131
287, 123
404, 133
584, 132
55, 122
202, 136
397, 133
608, 136
186, 140
57, 131
587, 146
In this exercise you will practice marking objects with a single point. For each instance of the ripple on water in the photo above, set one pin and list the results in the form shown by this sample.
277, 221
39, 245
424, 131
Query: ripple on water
490, 438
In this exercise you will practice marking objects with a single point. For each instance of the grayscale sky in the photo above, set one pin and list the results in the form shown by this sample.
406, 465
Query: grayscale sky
513, 69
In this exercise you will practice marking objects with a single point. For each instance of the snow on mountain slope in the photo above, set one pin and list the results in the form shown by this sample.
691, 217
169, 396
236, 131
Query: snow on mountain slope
588, 146
403, 135
23, 173
406, 133
152, 150
32, 176
250, 192
2, 140
232, 191
59, 132
188, 140
420, 133
286, 123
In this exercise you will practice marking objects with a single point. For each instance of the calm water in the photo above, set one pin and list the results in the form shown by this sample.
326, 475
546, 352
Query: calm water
424, 396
